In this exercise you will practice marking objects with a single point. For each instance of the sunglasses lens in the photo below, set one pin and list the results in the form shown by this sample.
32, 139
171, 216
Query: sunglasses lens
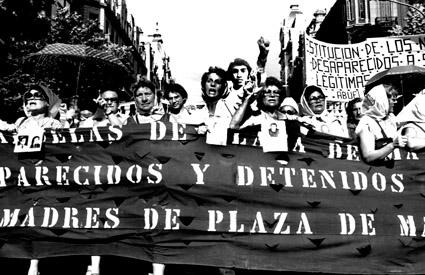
33, 95
289, 112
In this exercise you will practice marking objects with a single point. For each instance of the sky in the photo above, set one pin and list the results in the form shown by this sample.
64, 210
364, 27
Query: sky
198, 34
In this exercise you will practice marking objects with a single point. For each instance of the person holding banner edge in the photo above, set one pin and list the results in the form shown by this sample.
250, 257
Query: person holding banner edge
377, 129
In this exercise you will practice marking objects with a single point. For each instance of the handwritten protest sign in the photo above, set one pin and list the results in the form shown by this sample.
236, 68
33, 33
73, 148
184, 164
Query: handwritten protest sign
342, 70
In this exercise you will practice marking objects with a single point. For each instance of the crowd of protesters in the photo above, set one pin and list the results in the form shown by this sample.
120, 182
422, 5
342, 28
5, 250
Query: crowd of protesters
234, 99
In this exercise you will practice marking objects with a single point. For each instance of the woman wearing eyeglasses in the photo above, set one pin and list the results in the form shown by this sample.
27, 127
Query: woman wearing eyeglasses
377, 129
316, 116
40, 106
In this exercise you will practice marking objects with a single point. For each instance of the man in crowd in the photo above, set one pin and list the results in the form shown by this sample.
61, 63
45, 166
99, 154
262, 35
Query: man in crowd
107, 112
239, 73
177, 112
176, 96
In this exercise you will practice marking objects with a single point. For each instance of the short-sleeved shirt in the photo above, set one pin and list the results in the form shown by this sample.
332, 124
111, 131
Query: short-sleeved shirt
369, 124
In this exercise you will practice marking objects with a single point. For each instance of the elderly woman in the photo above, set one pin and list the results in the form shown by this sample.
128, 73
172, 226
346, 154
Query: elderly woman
40, 106
315, 115
269, 100
412, 122
377, 129
289, 107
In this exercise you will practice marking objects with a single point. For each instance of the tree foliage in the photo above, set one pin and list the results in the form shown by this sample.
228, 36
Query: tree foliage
415, 22
30, 31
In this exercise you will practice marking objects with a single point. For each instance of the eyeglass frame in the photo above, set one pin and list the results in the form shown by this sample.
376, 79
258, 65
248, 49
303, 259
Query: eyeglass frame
317, 98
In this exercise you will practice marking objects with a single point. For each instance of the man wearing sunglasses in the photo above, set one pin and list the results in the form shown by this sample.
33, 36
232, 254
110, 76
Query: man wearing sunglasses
107, 112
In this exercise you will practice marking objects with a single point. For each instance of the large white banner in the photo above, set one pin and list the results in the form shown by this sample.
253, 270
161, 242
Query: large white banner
342, 70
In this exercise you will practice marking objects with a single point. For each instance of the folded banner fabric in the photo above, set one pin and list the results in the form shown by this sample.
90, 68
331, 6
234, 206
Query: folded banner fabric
158, 192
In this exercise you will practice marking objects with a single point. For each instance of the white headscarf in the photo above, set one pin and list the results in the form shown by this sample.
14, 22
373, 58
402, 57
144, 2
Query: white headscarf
306, 107
289, 101
325, 122
375, 103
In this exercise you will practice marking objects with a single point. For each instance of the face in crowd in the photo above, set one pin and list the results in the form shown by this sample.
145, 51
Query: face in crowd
240, 74
316, 102
176, 101
288, 110
111, 101
357, 110
176, 96
214, 86
144, 99
392, 95
271, 97
35, 102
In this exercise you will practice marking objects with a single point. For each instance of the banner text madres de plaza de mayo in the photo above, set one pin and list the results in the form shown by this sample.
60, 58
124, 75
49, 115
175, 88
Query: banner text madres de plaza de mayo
158, 192
342, 70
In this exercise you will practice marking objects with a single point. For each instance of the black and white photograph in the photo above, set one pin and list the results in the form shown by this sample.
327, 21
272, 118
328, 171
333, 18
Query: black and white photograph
192, 137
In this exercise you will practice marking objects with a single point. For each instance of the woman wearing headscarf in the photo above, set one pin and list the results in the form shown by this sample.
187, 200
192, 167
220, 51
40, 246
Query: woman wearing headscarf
289, 107
377, 129
41, 105
412, 122
316, 116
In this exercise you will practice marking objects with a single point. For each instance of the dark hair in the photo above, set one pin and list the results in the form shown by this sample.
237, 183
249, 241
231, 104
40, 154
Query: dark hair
349, 108
270, 81
238, 62
174, 88
213, 70
311, 89
143, 83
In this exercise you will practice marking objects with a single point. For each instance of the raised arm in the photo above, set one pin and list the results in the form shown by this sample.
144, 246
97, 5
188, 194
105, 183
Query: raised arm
238, 117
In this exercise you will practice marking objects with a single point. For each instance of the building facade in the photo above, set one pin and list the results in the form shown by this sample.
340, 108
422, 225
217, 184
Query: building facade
119, 26
348, 21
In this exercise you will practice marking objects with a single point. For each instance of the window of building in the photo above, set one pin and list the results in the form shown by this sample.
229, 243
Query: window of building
349, 4
385, 8
362, 10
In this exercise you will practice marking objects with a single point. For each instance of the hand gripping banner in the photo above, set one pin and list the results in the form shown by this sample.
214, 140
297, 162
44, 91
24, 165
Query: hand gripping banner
159, 193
